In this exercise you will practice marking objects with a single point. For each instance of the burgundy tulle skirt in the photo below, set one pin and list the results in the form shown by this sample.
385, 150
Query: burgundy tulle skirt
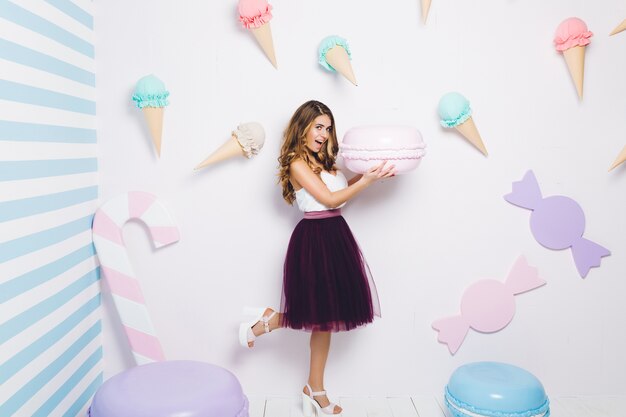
327, 285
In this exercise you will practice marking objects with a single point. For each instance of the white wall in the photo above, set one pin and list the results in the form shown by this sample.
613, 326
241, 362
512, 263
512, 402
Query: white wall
426, 235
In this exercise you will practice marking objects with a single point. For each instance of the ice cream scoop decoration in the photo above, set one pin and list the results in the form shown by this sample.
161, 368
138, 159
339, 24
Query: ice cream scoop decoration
247, 140
487, 305
455, 111
151, 97
620, 28
557, 222
571, 38
255, 15
334, 55
117, 268
364, 147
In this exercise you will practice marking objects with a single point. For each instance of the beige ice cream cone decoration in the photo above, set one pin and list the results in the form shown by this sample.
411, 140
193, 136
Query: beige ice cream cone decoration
256, 15
151, 97
425, 9
455, 111
621, 27
247, 140
620, 158
571, 38
334, 55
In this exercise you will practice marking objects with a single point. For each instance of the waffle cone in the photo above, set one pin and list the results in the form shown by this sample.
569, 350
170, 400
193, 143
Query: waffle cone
338, 58
470, 132
263, 36
621, 27
620, 158
575, 59
229, 149
154, 119
425, 9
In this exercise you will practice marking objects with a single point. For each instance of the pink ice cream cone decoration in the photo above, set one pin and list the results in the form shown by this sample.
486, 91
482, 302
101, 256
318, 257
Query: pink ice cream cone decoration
488, 305
571, 38
255, 15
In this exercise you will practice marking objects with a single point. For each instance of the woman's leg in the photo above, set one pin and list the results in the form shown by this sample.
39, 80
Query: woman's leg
320, 345
274, 323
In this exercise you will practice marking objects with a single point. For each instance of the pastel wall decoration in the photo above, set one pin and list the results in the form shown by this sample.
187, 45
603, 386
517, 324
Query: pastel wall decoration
51, 355
494, 389
171, 389
619, 28
620, 158
334, 54
255, 15
425, 9
571, 38
247, 140
151, 97
557, 222
117, 269
364, 147
455, 111
487, 305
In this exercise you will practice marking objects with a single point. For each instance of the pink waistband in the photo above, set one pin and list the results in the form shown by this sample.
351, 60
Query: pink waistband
324, 214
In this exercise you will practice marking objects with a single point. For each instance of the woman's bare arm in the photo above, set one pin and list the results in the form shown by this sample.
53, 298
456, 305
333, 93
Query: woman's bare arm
304, 175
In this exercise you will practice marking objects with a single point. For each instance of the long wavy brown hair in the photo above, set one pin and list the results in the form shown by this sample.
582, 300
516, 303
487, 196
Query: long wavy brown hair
294, 145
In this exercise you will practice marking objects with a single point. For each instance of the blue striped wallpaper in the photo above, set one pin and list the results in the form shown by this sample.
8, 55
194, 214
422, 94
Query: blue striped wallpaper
50, 329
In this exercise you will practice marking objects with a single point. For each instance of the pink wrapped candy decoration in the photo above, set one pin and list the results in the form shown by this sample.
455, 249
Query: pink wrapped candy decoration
488, 305
364, 147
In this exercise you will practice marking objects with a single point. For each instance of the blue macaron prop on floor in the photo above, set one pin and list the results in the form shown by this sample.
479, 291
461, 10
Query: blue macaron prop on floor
493, 389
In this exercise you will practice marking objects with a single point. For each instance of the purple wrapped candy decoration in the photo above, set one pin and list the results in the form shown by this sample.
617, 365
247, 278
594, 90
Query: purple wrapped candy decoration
557, 222
171, 389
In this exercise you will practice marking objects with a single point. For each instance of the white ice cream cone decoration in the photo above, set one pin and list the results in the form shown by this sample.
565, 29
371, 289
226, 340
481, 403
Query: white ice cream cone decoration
151, 97
425, 9
620, 158
334, 55
571, 38
247, 140
256, 15
455, 111
620, 28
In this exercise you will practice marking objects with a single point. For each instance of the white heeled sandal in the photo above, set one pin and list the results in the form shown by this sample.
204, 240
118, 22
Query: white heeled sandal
309, 404
246, 335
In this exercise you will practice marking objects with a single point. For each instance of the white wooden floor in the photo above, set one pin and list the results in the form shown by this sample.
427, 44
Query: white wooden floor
431, 407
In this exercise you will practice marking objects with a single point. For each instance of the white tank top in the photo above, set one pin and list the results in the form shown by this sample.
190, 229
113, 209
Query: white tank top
306, 202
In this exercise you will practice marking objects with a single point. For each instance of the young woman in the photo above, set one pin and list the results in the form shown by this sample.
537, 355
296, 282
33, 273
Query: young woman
327, 286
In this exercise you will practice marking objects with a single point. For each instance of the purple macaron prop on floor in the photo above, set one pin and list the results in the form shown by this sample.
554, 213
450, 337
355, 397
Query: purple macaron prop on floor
171, 389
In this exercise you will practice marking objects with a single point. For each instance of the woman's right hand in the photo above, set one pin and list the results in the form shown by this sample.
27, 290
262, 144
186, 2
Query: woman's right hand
379, 172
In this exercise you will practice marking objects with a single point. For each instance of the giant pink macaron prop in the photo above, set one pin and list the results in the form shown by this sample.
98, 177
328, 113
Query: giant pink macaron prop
364, 147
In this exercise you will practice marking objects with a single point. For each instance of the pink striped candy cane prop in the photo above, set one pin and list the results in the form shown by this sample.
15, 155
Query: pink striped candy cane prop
116, 267
487, 305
